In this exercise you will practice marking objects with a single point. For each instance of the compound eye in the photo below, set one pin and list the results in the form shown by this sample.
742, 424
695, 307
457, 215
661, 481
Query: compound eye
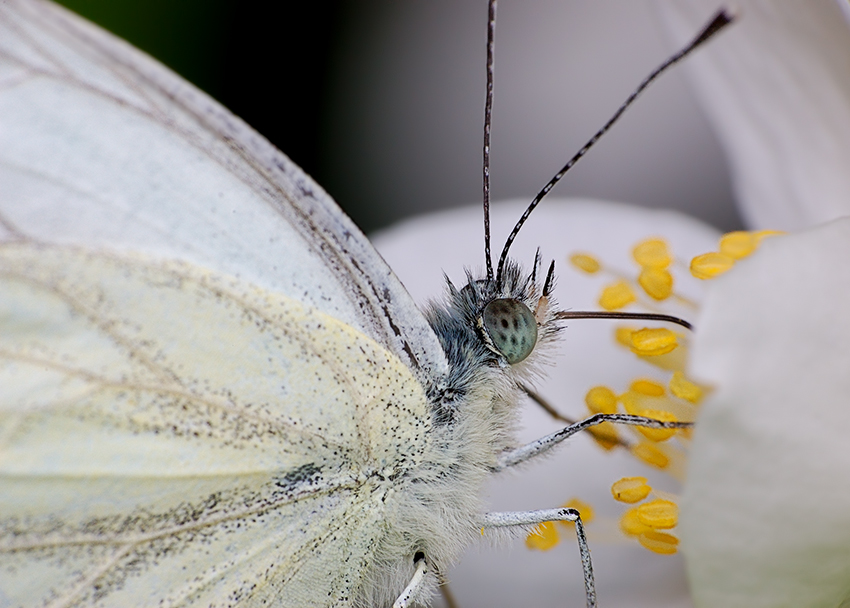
512, 328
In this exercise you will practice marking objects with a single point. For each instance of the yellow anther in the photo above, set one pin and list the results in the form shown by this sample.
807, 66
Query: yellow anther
657, 434
605, 435
659, 514
623, 335
584, 509
616, 296
652, 253
684, 388
585, 262
709, 265
760, 235
601, 400
650, 454
656, 282
652, 341
633, 402
543, 537
659, 542
650, 388
630, 489
738, 244
631, 525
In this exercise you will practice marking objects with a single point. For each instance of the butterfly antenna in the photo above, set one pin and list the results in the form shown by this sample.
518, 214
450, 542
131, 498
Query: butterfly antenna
488, 112
631, 316
720, 20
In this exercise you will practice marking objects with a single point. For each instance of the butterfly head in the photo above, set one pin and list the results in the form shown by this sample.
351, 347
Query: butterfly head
504, 323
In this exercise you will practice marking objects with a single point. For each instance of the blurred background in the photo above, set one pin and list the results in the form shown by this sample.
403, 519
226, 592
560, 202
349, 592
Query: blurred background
381, 101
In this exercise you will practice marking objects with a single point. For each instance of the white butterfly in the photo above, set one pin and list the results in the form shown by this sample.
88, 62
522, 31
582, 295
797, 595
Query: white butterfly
213, 391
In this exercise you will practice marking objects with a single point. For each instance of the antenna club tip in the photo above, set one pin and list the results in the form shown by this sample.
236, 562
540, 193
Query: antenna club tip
729, 14
723, 17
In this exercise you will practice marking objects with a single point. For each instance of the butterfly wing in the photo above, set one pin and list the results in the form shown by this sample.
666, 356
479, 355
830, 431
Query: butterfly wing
182, 432
147, 457
109, 148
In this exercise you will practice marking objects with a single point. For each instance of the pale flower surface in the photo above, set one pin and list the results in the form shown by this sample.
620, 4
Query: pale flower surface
776, 86
765, 514
766, 510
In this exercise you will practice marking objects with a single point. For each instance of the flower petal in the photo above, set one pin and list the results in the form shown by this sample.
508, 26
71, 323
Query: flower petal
765, 517
776, 85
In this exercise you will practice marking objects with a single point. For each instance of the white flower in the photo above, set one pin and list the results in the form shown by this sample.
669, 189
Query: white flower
766, 513
628, 576
765, 518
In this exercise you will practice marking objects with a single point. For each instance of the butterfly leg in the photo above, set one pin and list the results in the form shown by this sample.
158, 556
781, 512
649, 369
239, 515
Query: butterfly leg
530, 518
404, 600
513, 457
556, 415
